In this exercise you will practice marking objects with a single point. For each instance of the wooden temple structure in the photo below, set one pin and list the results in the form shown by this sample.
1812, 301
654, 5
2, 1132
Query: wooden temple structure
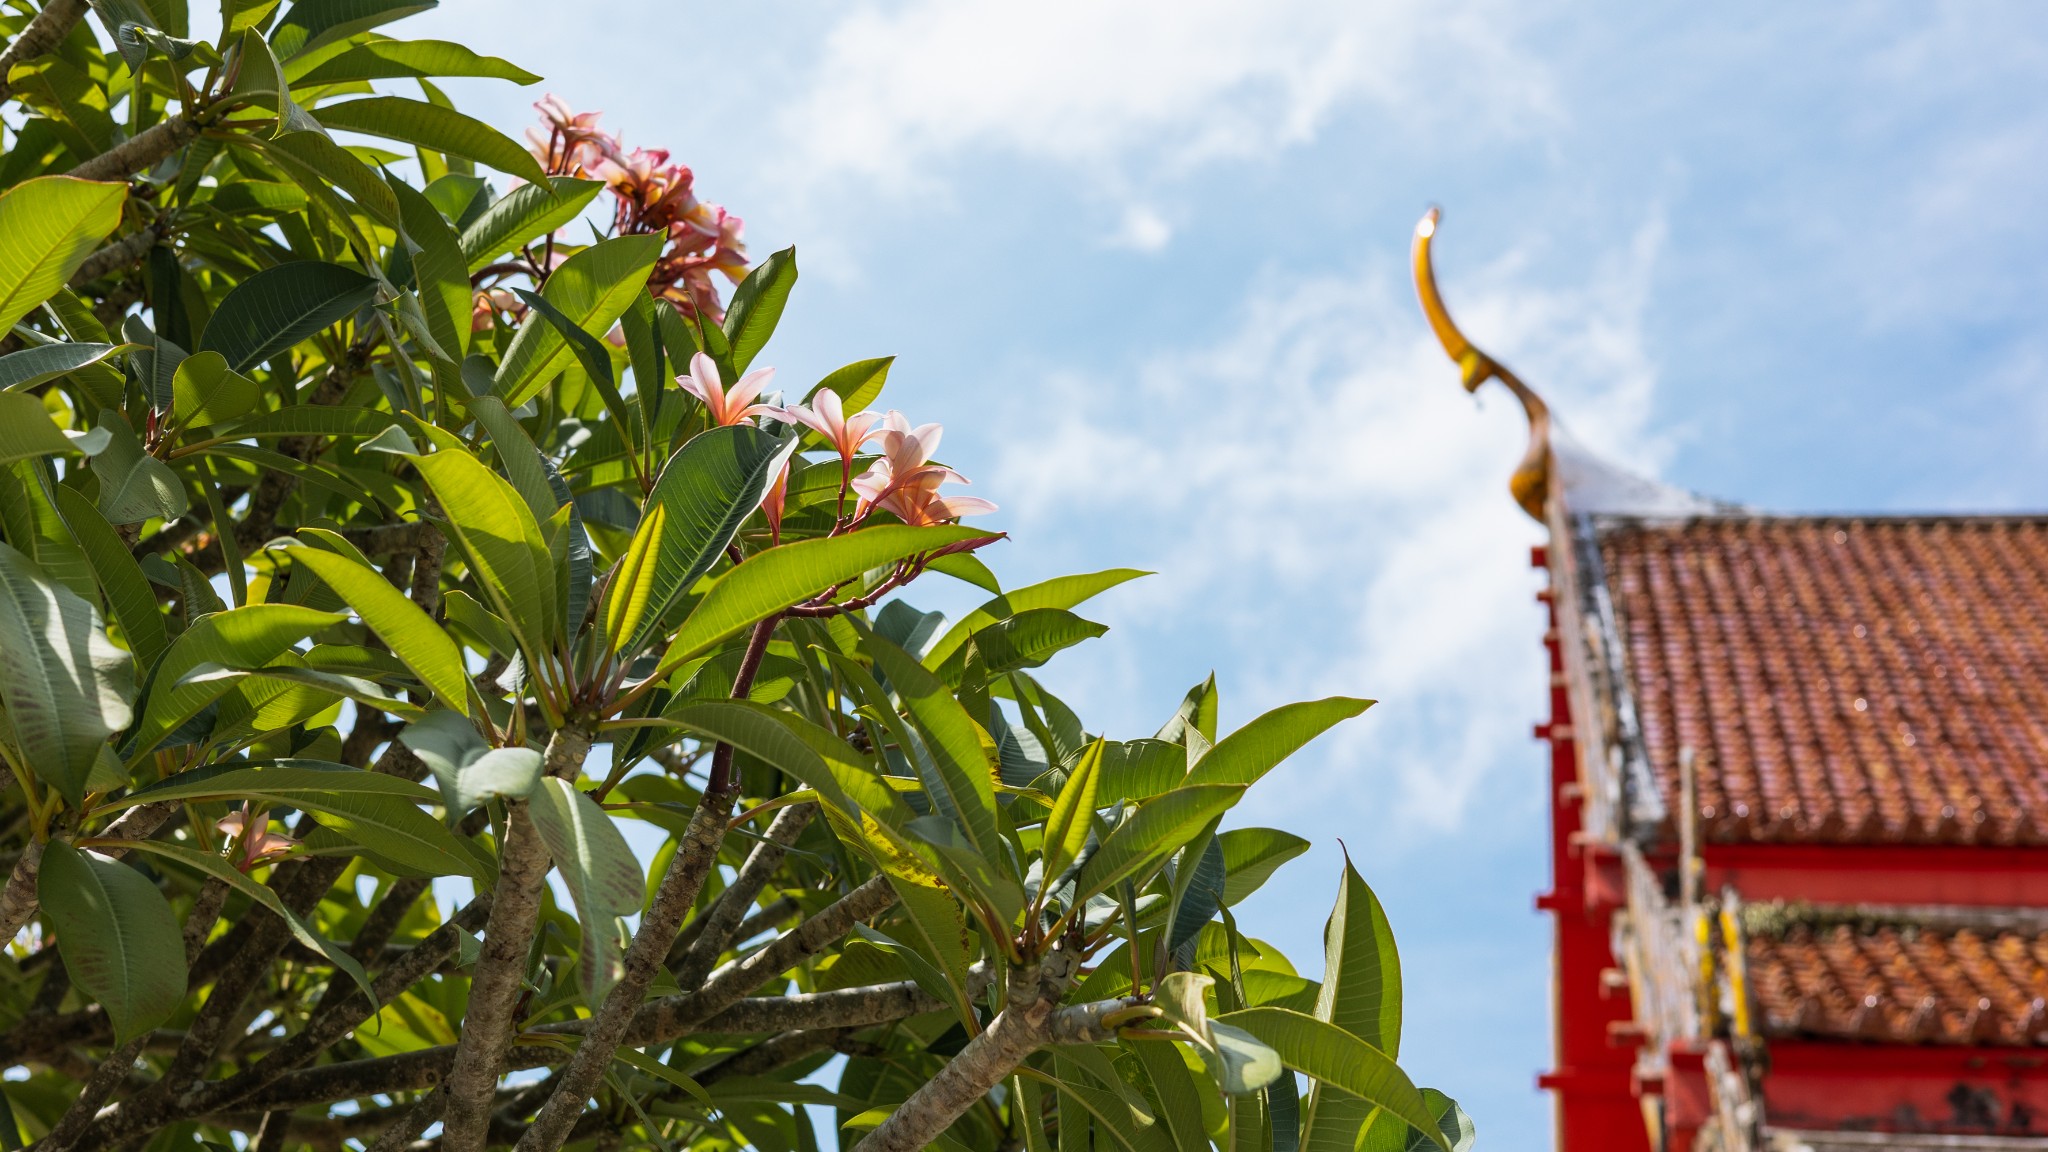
1798, 782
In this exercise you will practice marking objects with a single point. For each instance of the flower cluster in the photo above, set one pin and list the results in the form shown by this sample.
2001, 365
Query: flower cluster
650, 197
902, 480
257, 844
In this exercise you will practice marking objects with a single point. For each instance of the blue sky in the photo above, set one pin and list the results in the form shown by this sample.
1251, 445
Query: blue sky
1145, 260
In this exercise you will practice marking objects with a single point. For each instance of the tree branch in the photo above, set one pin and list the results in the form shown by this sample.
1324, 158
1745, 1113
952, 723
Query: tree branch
43, 33
494, 986
140, 151
121, 254
722, 919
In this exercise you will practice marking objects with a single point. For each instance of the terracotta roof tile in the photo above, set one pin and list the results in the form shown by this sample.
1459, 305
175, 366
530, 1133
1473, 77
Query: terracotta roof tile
1844, 680
1900, 984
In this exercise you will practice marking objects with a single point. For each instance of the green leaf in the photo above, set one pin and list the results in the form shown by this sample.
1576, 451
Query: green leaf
391, 59
205, 392
426, 125
438, 269
260, 80
32, 366
26, 431
502, 541
1342, 1061
410, 633
842, 777
1253, 750
857, 383
1073, 814
310, 23
962, 786
48, 226
1385, 1132
135, 486
1178, 1093
706, 491
592, 289
520, 459
1197, 713
118, 937
217, 868
1361, 968
600, 872
1158, 828
66, 687
1025, 640
525, 213
375, 810
469, 770
120, 577
780, 577
1240, 1061
1063, 592
247, 637
308, 420
1251, 855
314, 161
757, 306
278, 307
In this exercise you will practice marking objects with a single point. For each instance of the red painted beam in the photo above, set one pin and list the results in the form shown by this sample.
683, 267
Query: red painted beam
1881, 874
1907, 1088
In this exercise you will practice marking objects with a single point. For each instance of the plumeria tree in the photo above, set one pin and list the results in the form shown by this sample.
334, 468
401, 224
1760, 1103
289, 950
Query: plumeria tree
377, 547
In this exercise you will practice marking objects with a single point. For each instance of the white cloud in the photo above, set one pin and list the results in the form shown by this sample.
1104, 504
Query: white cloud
1137, 86
1143, 230
1316, 486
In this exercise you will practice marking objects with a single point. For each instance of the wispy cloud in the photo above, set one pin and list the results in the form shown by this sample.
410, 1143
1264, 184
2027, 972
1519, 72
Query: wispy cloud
1314, 484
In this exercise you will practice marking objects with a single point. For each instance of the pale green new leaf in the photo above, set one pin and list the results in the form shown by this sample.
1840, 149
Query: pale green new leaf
469, 770
602, 876
48, 226
66, 686
1340, 1060
409, 632
118, 937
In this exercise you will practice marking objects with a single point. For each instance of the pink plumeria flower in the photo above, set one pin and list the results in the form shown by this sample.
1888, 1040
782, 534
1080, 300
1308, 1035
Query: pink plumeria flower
573, 140
906, 453
257, 842
826, 416
727, 407
772, 503
919, 504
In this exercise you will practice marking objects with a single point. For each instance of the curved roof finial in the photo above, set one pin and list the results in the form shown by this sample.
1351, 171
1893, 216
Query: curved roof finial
1531, 481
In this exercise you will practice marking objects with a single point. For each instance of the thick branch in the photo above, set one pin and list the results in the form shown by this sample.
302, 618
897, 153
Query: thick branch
121, 254
43, 33
722, 920
1027, 1022
140, 151
500, 969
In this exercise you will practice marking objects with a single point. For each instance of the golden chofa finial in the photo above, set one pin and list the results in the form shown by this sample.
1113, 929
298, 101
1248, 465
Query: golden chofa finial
1531, 481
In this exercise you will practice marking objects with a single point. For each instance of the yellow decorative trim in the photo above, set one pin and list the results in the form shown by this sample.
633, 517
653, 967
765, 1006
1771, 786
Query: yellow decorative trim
1531, 482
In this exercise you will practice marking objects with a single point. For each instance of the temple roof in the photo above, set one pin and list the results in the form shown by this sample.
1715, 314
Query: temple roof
1889, 976
1841, 679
